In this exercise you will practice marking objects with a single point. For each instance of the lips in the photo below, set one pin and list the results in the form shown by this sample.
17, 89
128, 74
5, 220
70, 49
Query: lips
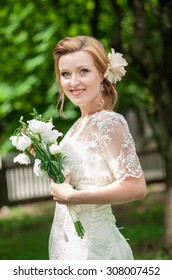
77, 91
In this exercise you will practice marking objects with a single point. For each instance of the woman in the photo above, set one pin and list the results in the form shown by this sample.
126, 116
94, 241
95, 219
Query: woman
99, 153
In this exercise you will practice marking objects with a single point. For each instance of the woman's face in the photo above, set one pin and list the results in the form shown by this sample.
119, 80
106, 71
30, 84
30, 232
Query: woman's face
80, 79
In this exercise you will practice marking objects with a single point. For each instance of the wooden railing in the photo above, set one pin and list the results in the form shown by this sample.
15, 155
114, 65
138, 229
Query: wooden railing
18, 183
153, 166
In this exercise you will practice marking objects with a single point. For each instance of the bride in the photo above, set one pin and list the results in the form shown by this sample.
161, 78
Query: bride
99, 153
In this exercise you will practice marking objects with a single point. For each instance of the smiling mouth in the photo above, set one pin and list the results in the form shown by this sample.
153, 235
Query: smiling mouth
77, 91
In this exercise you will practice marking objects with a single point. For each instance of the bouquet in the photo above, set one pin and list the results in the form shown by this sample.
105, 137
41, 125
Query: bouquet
39, 138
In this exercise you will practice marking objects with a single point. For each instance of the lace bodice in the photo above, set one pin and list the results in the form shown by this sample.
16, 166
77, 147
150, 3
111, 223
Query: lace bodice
98, 150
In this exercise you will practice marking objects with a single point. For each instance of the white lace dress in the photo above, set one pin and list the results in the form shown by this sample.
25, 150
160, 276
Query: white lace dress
98, 150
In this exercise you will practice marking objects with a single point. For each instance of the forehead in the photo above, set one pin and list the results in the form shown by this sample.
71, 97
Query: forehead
76, 59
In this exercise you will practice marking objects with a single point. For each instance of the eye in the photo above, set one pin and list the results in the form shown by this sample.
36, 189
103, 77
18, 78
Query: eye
66, 74
84, 71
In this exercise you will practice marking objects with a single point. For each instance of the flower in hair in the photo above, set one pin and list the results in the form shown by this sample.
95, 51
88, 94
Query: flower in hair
115, 69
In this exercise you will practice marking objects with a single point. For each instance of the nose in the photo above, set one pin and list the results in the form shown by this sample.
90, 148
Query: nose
74, 80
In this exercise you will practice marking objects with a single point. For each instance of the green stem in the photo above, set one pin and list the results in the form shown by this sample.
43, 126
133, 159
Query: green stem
79, 229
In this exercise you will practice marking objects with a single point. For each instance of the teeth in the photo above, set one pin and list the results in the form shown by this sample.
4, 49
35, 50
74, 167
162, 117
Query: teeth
77, 91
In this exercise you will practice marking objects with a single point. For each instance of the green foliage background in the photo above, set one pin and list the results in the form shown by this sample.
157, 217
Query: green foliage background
141, 30
30, 29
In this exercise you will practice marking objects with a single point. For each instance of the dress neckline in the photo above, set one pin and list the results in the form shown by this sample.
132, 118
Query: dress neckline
82, 121
95, 113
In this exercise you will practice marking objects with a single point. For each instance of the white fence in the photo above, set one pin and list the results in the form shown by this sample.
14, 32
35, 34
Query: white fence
22, 183
18, 183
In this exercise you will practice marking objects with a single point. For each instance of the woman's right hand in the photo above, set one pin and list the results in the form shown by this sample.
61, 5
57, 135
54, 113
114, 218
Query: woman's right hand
62, 192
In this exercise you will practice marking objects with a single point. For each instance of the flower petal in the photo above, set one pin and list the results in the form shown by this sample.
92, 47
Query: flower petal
116, 66
22, 159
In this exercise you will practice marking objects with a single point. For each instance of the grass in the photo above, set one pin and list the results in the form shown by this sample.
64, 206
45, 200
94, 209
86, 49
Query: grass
144, 226
24, 229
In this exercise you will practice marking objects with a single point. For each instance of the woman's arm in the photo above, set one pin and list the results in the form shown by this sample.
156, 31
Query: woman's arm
128, 190
116, 143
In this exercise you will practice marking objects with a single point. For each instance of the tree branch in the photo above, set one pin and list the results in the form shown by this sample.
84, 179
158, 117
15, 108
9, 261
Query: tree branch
116, 36
153, 9
95, 18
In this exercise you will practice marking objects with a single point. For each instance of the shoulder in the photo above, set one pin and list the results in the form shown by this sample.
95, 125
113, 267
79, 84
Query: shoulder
108, 119
108, 115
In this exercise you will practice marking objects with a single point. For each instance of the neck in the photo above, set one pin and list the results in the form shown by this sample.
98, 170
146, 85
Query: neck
85, 113
95, 107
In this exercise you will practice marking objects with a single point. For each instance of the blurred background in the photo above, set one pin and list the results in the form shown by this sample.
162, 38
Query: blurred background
142, 31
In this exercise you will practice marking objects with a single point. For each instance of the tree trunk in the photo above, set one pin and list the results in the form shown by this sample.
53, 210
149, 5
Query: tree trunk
116, 35
158, 69
95, 18
167, 244
168, 200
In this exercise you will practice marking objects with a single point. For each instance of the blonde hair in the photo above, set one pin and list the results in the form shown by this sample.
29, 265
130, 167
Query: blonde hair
96, 50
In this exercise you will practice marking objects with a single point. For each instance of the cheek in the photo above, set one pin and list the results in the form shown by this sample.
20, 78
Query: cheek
64, 83
92, 81
65, 86
95, 82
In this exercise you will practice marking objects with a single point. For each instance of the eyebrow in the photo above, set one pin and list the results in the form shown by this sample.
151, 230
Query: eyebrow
66, 69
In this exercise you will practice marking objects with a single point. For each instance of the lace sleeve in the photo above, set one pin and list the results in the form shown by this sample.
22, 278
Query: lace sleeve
119, 148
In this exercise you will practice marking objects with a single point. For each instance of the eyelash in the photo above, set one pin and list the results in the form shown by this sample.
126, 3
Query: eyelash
67, 74
84, 70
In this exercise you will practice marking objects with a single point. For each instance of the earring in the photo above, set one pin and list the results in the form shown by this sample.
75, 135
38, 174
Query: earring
101, 103
101, 87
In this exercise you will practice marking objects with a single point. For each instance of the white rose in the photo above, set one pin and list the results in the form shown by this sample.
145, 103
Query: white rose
50, 136
24, 142
55, 149
21, 142
116, 66
39, 127
22, 159
48, 126
37, 168
14, 140
114, 76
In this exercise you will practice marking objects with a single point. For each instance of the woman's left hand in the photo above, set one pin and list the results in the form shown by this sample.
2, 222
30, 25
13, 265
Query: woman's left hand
62, 192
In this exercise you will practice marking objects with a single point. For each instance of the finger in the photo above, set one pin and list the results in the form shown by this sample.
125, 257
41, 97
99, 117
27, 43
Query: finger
52, 193
58, 201
32, 151
68, 179
50, 180
53, 186
52, 190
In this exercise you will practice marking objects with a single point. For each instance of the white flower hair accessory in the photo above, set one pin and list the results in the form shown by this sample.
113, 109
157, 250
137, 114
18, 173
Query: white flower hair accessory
115, 69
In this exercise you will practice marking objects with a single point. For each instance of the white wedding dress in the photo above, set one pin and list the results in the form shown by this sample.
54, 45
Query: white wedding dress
98, 150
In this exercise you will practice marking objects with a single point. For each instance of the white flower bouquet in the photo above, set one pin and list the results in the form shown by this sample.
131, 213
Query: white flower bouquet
39, 138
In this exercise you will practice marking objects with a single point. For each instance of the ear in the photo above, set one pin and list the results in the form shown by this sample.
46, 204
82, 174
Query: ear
106, 73
101, 75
